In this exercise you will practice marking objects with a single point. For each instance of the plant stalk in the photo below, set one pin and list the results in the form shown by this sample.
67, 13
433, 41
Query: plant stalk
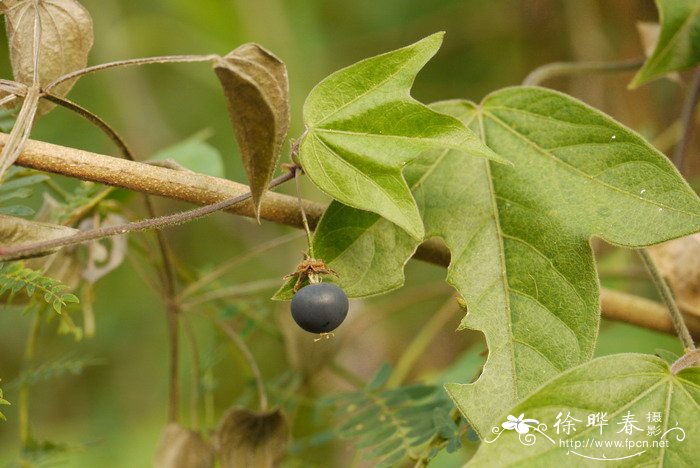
667, 297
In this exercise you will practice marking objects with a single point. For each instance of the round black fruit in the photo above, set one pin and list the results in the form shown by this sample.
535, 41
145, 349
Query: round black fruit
319, 307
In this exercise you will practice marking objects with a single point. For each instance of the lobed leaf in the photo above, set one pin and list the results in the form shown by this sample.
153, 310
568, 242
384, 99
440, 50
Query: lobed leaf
257, 97
363, 127
519, 235
623, 385
678, 45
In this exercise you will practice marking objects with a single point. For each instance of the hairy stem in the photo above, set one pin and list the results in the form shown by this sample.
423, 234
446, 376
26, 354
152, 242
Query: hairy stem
688, 119
138, 226
557, 69
305, 221
687, 360
667, 296
129, 63
278, 208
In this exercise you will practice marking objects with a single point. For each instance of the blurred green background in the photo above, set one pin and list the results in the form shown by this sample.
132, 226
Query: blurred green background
113, 412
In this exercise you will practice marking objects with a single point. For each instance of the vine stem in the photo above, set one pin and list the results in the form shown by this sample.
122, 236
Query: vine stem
304, 219
245, 351
138, 226
667, 297
557, 69
420, 343
276, 207
128, 63
689, 359
688, 121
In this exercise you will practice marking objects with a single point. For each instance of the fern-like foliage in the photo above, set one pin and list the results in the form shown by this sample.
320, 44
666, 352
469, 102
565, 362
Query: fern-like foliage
394, 424
80, 201
53, 369
15, 277
19, 184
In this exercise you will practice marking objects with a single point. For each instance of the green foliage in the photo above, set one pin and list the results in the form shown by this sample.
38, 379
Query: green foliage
363, 127
618, 385
195, 154
678, 47
3, 402
53, 369
519, 235
19, 184
15, 277
396, 423
84, 197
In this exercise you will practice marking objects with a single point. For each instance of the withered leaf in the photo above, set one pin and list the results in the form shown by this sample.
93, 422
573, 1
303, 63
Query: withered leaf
250, 438
18, 231
257, 97
65, 28
182, 448
679, 263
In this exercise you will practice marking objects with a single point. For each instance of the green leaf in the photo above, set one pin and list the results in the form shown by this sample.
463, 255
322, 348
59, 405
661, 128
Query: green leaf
363, 127
636, 387
678, 47
257, 97
519, 235
194, 154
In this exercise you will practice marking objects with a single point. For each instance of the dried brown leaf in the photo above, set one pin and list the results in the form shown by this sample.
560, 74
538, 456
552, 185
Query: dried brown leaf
679, 262
182, 448
64, 29
257, 97
249, 438
17, 231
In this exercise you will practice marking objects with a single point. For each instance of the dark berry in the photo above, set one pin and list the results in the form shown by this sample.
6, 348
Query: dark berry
319, 307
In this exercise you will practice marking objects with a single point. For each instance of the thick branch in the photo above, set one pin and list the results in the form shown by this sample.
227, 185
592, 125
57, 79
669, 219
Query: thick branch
283, 209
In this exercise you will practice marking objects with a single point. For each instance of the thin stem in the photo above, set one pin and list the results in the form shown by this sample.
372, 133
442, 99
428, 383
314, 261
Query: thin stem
23, 416
167, 277
277, 208
557, 69
667, 297
245, 351
195, 394
128, 63
20, 130
233, 291
346, 374
420, 343
95, 120
688, 119
160, 222
689, 359
224, 267
7, 99
309, 238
